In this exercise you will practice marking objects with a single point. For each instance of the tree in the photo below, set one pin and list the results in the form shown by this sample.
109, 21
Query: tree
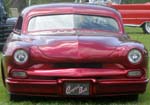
19, 4
135, 1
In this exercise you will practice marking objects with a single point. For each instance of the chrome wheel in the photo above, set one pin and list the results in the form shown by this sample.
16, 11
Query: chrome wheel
146, 27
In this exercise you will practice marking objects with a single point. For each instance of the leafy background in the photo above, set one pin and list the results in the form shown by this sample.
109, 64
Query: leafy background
20, 4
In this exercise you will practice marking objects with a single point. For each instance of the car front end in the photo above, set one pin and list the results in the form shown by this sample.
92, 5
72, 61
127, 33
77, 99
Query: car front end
80, 51
71, 67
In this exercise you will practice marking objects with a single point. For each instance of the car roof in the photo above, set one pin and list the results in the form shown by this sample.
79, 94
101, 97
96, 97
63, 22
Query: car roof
71, 5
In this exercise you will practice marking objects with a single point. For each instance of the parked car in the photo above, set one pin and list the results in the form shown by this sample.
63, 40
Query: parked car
72, 50
137, 15
6, 25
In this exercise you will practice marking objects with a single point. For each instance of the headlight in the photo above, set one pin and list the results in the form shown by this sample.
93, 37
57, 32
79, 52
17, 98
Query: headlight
134, 56
20, 56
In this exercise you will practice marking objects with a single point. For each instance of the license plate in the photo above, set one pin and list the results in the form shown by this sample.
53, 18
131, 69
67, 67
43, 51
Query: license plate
81, 89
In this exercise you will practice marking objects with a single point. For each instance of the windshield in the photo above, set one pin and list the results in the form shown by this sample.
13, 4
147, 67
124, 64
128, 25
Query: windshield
72, 21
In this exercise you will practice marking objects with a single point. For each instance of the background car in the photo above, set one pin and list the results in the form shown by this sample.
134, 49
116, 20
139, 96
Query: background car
72, 50
6, 25
135, 14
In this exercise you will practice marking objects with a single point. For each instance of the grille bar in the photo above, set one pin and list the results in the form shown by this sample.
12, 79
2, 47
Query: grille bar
77, 65
5, 30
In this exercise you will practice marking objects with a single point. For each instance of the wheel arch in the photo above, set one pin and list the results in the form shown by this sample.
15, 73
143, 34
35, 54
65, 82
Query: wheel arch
143, 23
144, 27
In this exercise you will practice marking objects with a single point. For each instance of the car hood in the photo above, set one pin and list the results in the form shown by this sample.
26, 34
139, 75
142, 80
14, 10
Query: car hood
77, 47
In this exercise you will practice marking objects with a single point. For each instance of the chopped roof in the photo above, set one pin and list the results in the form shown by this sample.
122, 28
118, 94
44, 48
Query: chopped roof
73, 5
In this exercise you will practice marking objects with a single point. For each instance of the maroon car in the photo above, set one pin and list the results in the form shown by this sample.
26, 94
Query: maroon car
72, 50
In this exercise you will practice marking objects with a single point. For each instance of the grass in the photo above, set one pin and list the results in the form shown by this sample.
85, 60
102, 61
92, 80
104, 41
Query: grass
144, 99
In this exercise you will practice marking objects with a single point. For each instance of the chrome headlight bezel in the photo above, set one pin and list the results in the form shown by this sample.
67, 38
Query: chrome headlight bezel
134, 56
20, 56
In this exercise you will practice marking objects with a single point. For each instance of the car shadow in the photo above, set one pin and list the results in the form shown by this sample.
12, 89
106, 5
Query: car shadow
79, 101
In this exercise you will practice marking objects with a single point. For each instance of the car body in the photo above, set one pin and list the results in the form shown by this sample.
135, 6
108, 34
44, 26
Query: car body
71, 50
137, 14
6, 25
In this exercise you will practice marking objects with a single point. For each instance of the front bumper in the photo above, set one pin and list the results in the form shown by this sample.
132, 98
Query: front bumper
98, 87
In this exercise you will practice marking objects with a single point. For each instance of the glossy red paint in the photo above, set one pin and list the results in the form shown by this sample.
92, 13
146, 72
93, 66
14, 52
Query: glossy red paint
134, 14
98, 58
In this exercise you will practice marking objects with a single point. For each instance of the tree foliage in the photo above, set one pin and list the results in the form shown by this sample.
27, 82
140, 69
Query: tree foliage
20, 4
135, 1
48, 1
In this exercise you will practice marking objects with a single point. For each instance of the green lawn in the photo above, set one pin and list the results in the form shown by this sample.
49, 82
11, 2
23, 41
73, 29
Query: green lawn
144, 99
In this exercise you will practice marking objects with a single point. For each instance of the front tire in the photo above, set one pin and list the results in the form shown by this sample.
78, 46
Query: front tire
133, 97
14, 97
146, 27
2, 74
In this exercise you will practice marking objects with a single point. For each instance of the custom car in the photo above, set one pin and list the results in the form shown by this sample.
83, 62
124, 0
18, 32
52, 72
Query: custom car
72, 50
